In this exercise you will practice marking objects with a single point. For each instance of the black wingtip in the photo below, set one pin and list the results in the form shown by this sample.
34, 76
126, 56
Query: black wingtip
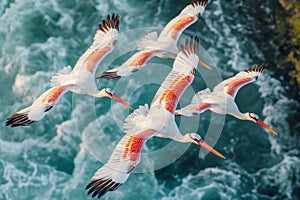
100, 186
108, 75
262, 66
90, 184
110, 22
199, 3
257, 68
191, 46
19, 119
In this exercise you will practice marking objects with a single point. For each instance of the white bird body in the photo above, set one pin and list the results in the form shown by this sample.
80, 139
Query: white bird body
164, 45
145, 122
79, 80
222, 99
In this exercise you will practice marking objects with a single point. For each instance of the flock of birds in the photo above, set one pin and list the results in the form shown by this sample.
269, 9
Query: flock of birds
158, 119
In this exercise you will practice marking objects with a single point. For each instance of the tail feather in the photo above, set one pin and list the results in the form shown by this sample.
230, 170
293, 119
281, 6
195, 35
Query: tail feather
147, 41
60, 77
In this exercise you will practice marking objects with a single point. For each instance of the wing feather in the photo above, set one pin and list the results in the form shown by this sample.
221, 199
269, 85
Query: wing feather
61, 76
232, 85
39, 108
187, 16
181, 76
147, 41
137, 120
104, 42
121, 163
193, 109
200, 96
132, 65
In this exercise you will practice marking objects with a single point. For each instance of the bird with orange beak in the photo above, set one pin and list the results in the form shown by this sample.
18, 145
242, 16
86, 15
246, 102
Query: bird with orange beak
222, 99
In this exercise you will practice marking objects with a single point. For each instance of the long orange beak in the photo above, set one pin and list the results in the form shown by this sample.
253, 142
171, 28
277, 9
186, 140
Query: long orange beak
121, 101
209, 148
200, 62
262, 124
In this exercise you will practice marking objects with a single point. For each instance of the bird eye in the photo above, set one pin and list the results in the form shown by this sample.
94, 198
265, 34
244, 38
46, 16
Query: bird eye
195, 136
109, 91
253, 116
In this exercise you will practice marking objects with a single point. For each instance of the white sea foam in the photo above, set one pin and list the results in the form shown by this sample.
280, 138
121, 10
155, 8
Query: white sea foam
281, 177
275, 110
28, 176
208, 183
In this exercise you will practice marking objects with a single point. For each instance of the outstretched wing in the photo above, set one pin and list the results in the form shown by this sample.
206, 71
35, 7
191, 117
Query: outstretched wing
125, 157
123, 160
181, 76
39, 108
194, 109
198, 104
188, 16
104, 42
133, 64
232, 85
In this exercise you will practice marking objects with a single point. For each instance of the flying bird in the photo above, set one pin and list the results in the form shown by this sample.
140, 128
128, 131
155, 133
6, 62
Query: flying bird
79, 80
164, 45
145, 122
222, 99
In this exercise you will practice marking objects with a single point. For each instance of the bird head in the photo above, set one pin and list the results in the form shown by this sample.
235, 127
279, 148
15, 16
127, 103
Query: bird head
254, 118
195, 138
108, 92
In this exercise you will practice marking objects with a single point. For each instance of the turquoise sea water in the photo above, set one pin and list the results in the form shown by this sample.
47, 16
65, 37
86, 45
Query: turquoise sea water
55, 158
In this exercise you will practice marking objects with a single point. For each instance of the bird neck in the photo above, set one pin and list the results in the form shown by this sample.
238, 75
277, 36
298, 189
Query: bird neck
241, 116
99, 94
183, 138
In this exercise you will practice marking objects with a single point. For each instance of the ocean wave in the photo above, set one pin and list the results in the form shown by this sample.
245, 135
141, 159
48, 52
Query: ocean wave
210, 183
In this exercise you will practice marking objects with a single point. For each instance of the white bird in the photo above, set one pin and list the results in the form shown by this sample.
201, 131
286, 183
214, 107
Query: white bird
79, 80
164, 45
222, 99
145, 123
